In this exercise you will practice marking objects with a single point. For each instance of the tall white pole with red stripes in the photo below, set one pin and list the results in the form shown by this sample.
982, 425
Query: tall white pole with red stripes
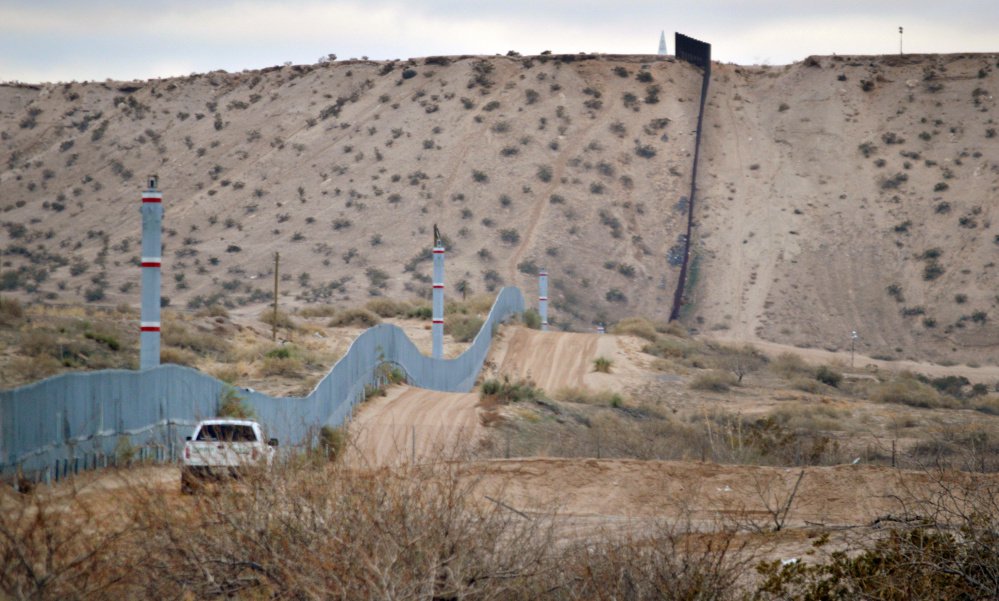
149, 327
543, 298
438, 299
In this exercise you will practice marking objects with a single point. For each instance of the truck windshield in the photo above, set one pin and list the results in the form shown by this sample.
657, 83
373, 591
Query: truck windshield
227, 433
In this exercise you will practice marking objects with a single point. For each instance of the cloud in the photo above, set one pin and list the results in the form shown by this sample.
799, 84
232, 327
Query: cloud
143, 38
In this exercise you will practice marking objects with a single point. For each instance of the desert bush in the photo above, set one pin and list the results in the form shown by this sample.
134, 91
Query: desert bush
179, 334
828, 376
386, 307
602, 365
906, 389
669, 347
714, 380
789, 365
318, 311
332, 442
635, 326
232, 404
278, 319
585, 396
532, 319
11, 311
354, 318
506, 390
178, 356
463, 328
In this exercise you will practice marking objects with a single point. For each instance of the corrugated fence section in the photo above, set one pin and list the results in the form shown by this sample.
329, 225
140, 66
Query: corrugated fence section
83, 420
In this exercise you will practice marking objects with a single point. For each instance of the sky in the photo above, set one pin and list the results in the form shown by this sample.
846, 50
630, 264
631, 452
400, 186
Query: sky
63, 40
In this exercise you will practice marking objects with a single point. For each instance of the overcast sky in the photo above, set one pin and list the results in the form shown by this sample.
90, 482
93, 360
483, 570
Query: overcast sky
63, 40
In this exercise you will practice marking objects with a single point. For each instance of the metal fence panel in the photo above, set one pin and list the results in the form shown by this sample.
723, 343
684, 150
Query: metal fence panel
86, 415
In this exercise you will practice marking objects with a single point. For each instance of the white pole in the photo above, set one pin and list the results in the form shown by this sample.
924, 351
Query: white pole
543, 299
438, 300
149, 325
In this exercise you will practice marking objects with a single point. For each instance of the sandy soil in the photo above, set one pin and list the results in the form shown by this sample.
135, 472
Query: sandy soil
413, 424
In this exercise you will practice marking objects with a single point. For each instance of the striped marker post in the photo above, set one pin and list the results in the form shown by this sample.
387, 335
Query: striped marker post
438, 299
543, 298
149, 327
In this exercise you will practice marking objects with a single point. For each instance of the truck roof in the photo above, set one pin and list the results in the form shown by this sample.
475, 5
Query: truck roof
222, 420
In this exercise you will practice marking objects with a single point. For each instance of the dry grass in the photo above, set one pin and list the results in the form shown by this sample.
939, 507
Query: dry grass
313, 529
714, 381
361, 318
636, 326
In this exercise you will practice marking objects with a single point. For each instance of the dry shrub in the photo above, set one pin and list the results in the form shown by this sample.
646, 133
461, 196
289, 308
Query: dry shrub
213, 310
279, 320
11, 311
274, 365
789, 365
360, 318
714, 380
480, 304
37, 343
808, 385
318, 311
177, 356
689, 353
635, 326
386, 307
673, 328
463, 328
227, 372
675, 562
29, 369
907, 390
303, 530
585, 396
178, 333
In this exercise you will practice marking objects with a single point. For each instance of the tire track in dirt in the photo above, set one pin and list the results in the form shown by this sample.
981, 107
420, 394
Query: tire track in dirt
552, 360
440, 423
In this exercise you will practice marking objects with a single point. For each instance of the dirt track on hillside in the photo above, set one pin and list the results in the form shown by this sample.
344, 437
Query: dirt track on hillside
441, 423
552, 360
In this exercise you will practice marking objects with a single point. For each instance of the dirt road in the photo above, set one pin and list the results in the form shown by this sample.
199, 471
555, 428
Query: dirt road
413, 424
552, 360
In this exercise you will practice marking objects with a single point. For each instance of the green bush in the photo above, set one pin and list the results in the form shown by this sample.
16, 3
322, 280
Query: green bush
231, 404
602, 365
827, 375
532, 319
510, 391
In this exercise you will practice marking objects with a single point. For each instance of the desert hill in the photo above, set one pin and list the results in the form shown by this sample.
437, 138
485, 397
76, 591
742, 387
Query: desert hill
837, 194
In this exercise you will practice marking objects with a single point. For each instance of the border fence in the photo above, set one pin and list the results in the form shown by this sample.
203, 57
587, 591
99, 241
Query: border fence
696, 53
84, 421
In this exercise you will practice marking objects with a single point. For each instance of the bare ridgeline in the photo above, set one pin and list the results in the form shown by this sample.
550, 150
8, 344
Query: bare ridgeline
653, 464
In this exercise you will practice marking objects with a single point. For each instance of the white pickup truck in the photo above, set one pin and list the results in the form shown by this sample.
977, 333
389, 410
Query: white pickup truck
223, 447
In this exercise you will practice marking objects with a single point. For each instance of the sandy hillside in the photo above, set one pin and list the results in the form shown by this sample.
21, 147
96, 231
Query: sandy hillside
837, 194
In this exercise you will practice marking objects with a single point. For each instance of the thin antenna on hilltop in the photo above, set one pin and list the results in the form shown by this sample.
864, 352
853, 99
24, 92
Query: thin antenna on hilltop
900, 40
662, 43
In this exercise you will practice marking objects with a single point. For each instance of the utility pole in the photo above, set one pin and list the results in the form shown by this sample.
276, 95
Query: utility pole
853, 343
274, 321
900, 40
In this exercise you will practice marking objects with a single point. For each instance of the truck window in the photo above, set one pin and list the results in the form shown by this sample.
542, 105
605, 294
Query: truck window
227, 433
